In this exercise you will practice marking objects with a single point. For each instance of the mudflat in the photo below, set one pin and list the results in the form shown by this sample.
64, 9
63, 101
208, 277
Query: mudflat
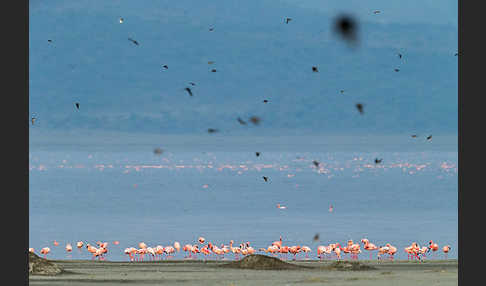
211, 272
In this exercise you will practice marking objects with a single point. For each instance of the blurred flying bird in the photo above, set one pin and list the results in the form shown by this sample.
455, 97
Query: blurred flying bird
346, 27
314, 69
342, 91
359, 106
376, 11
400, 55
257, 154
456, 54
158, 151
121, 20
331, 208
287, 20
378, 161
255, 120
429, 137
50, 41
211, 29
265, 178
316, 237
77, 105
188, 90
315, 163
414, 136
212, 130
281, 207
213, 70
397, 70
133, 41
191, 83
210, 62
241, 121
265, 101
33, 120
166, 67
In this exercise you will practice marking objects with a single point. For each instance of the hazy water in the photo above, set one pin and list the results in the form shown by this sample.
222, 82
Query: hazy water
131, 195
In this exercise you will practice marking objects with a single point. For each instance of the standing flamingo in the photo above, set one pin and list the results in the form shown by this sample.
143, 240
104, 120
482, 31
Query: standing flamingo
369, 246
446, 249
31, 250
45, 251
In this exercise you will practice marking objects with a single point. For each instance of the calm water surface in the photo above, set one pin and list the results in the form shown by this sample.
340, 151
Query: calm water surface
129, 194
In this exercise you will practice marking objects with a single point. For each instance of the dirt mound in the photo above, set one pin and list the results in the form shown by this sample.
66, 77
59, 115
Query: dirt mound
40, 266
349, 266
261, 262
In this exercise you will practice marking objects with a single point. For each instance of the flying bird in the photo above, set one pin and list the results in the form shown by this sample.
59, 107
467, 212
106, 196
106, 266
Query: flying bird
346, 27
133, 41
241, 121
33, 120
255, 120
456, 54
212, 130
414, 136
429, 137
342, 91
397, 70
281, 207
400, 55
77, 105
211, 29
359, 106
213, 70
191, 83
378, 161
265, 101
265, 178
316, 237
158, 151
314, 69
166, 67
188, 90
121, 20
257, 154
287, 20
331, 208
50, 41
376, 12
315, 163
210, 62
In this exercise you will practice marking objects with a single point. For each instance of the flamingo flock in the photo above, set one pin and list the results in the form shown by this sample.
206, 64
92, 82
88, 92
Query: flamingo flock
277, 249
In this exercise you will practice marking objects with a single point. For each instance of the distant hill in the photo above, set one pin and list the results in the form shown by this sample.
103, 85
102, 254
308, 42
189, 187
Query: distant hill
123, 87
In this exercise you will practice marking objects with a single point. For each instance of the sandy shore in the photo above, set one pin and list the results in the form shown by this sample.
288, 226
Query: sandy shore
183, 272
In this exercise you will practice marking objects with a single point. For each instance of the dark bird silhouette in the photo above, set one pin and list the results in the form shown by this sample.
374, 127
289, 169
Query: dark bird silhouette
456, 54
210, 62
166, 67
50, 41
77, 105
33, 120
414, 136
257, 154
265, 101
346, 27
342, 91
316, 237
188, 90
378, 161
359, 106
265, 178
400, 55
133, 41
121, 20
211, 29
255, 120
212, 130
287, 20
213, 70
158, 151
191, 83
376, 12
429, 137
314, 69
241, 121
397, 70
315, 163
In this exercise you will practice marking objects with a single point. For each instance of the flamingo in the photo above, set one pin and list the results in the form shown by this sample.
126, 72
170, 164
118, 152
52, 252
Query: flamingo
56, 243
321, 249
116, 242
177, 246
391, 250
187, 248
235, 250
446, 249
281, 207
201, 240
169, 250
31, 250
369, 246
382, 250
45, 251
434, 247
278, 242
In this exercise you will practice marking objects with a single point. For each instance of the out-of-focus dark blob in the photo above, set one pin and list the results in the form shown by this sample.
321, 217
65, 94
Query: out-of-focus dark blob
346, 27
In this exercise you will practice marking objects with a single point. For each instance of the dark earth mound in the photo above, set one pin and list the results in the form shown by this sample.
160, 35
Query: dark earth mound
349, 266
41, 266
261, 262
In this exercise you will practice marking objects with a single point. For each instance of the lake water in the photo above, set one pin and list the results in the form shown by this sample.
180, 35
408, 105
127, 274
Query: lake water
125, 192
